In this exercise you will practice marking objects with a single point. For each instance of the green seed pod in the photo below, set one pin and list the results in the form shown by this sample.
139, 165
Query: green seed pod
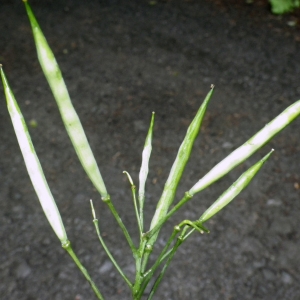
180, 163
247, 149
33, 165
66, 108
234, 189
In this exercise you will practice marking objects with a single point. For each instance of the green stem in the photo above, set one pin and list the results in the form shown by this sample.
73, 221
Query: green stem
138, 216
121, 224
67, 246
162, 273
148, 275
141, 205
110, 255
133, 190
139, 273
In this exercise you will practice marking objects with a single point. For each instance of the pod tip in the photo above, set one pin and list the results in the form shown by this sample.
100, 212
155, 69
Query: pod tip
153, 113
24, 0
0, 65
212, 86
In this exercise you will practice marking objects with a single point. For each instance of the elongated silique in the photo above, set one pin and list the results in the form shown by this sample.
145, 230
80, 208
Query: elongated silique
247, 149
66, 108
145, 169
33, 165
180, 162
240, 184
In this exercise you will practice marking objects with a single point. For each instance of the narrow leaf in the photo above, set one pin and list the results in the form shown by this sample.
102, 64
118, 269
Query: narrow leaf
66, 108
33, 165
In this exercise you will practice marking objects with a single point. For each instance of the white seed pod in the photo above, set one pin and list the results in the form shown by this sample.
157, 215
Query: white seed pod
33, 165
247, 149
145, 162
66, 108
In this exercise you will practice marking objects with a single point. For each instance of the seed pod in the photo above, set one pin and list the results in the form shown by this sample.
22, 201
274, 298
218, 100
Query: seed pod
234, 189
33, 165
66, 108
247, 149
180, 162
145, 163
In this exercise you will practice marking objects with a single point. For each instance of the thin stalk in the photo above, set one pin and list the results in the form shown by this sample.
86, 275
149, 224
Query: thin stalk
148, 275
96, 223
69, 249
121, 224
147, 251
139, 274
133, 190
162, 273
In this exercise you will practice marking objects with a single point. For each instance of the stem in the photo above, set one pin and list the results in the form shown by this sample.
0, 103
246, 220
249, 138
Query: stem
172, 253
95, 221
141, 204
133, 190
67, 246
138, 216
121, 224
148, 275
139, 273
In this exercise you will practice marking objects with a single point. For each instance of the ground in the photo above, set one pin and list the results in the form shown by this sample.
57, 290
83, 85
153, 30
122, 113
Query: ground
122, 60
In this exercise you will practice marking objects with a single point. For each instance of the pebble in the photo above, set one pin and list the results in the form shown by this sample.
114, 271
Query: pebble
274, 202
23, 270
286, 278
107, 266
227, 145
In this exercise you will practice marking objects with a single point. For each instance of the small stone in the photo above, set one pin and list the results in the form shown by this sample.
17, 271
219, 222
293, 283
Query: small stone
286, 278
227, 145
107, 266
23, 270
274, 202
